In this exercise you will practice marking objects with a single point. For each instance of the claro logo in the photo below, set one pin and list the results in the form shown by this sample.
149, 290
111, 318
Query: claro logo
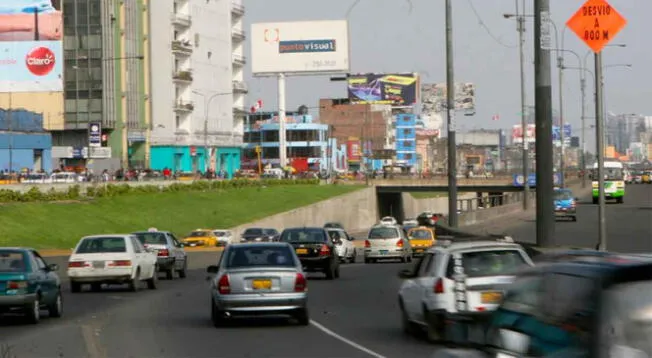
40, 61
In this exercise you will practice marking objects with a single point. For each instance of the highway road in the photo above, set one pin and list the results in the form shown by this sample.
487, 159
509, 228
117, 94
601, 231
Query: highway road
355, 316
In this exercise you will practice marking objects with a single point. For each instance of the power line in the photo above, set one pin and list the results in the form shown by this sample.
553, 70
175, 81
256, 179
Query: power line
486, 28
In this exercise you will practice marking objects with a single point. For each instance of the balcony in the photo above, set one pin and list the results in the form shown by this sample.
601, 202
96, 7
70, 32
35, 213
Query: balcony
239, 87
181, 20
183, 106
237, 9
182, 77
238, 35
239, 60
182, 47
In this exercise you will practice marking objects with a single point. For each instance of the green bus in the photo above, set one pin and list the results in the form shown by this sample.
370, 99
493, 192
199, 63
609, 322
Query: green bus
614, 183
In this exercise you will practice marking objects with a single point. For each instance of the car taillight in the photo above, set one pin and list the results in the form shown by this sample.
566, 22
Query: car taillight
16, 285
367, 244
399, 243
76, 264
223, 285
324, 251
300, 283
164, 252
439, 286
435, 218
122, 263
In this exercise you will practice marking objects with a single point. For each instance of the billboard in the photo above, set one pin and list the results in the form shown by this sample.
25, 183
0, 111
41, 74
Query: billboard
556, 135
401, 89
517, 133
300, 47
433, 98
353, 150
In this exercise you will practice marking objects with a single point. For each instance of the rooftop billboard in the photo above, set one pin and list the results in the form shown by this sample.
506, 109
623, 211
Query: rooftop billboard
400, 89
434, 97
300, 47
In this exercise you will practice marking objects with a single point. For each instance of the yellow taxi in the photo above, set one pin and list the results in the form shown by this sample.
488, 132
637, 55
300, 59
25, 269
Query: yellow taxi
421, 239
646, 178
200, 237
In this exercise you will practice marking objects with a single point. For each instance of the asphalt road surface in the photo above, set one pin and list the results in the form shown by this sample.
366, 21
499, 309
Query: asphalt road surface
355, 316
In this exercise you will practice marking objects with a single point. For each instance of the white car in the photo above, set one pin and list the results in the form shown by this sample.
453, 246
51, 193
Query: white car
458, 281
224, 237
410, 222
388, 220
387, 242
112, 259
343, 244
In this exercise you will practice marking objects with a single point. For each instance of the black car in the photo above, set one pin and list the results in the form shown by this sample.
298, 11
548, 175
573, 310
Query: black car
315, 250
333, 225
257, 234
576, 304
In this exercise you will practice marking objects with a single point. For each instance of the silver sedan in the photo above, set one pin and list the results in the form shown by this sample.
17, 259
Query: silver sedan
261, 279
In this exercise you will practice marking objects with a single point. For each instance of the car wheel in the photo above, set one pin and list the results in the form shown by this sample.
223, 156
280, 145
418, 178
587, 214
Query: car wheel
330, 273
134, 284
152, 281
595, 201
33, 311
409, 258
217, 316
56, 308
353, 257
302, 317
367, 261
182, 272
169, 274
337, 272
75, 287
435, 329
406, 324
96, 287
574, 218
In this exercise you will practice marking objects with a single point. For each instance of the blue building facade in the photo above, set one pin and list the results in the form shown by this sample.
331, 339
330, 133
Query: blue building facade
193, 158
24, 144
406, 139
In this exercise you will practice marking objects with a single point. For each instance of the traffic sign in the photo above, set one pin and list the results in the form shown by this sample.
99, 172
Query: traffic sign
596, 23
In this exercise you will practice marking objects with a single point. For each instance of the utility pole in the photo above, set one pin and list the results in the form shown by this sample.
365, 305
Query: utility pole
599, 124
520, 20
543, 98
10, 125
450, 119
282, 145
560, 67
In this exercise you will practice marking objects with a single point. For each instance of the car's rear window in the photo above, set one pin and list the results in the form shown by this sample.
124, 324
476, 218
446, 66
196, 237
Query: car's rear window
96, 245
151, 238
420, 234
200, 233
221, 233
489, 263
253, 232
260, 255
383, 233
12, 261
306, 235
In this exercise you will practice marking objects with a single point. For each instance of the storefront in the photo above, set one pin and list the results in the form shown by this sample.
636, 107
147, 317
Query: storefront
190, 159
25, 151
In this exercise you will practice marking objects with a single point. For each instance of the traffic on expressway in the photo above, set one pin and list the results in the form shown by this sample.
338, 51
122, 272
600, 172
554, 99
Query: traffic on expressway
323, 303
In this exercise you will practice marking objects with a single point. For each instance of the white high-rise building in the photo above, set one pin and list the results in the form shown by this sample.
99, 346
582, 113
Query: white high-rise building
197, 87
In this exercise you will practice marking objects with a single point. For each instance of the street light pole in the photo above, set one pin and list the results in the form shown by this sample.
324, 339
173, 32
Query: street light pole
521, 45
450, 118
599, 114
207, 103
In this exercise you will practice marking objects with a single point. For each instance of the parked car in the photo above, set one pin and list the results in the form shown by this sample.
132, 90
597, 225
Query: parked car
112, 259
28, 284
171, 257
343, 244
387, 242
315, 250
224, 237
200, 237
257, 234
261, 278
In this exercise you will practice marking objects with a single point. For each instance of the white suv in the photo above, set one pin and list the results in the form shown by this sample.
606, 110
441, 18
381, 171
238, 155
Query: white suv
458, 281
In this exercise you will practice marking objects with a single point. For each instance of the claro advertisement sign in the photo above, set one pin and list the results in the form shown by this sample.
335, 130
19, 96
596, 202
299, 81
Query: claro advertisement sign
310, 47
395, 89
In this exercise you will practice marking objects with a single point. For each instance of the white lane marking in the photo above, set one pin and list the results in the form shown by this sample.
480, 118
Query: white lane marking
345, 340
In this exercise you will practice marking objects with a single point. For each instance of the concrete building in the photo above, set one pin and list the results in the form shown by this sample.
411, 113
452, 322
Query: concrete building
24, 143
198, 92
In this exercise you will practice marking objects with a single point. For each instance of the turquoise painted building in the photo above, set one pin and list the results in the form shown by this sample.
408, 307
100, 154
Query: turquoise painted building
192, 159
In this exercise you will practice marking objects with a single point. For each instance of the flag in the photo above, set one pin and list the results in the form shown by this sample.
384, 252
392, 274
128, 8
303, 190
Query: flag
257, 106
495, 117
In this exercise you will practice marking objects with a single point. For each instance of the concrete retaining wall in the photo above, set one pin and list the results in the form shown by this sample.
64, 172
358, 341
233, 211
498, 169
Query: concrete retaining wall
357, 211
23, 188
413, 207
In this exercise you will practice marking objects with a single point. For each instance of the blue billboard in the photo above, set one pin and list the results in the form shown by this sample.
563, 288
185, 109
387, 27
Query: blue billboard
31, 54
532, 179
556, 134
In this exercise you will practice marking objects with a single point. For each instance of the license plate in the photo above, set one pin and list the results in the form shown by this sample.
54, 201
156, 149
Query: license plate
11, 292
491, 297
261, 284
418, 250
98, 264
384, 252
302, 251
193, 245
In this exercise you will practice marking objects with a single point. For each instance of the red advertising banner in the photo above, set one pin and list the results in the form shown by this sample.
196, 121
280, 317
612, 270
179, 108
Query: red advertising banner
353, 150
517, 133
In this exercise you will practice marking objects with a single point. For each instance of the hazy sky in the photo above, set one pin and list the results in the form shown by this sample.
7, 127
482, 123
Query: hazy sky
408, 36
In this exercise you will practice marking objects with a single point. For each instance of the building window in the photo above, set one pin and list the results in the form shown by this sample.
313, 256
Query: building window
270, 136
270, 153
408, 156
407, 131
177, 122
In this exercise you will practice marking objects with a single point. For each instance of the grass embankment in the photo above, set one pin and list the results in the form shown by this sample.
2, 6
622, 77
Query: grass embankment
60, 225
428, 194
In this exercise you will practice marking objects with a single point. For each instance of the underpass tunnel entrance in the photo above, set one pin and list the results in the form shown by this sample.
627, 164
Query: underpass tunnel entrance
390, 204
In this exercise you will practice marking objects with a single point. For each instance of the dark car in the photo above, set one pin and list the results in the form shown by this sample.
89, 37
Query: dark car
333, 225
576, 304
315, 250
428, 218
257, 234
28, 284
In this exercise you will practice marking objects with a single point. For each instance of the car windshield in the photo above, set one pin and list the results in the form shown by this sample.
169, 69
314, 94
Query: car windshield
151, 238
383, 233
251, 232
97, 245
303, 235
628, 314
333, 225
260, 255
420, 234
199, 233
563, 195
220, 233
490, 263
12, 261
609, 174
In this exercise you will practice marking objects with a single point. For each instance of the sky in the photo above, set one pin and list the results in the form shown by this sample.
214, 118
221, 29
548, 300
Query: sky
390, 36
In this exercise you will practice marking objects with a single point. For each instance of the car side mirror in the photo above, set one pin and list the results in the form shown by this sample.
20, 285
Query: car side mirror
407, 273
212, 269
52, 267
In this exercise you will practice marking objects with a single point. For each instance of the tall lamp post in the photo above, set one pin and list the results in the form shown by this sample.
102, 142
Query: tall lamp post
207, 103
